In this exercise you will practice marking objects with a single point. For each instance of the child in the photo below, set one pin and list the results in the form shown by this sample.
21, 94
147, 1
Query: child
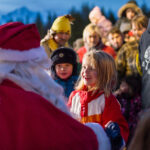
127, 61
96, 17
92, 101
92, 40
64, 68
129, 97
127, 12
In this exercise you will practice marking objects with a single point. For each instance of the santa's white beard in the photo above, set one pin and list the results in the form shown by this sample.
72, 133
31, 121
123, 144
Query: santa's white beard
31, 76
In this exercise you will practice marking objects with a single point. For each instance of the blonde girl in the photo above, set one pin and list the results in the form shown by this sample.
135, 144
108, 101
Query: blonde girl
92, 101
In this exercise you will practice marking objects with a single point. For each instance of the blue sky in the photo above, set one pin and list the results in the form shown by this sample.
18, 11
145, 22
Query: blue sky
62, 6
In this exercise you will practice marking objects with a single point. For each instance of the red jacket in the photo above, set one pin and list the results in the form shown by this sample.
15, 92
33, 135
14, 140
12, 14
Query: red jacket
97, 108
29, 122
105, 48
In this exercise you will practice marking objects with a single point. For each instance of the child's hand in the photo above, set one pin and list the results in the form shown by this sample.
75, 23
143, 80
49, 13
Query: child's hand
113, 131
117, 92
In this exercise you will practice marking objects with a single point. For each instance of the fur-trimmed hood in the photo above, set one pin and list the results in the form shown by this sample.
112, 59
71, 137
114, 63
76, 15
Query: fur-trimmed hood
121, 12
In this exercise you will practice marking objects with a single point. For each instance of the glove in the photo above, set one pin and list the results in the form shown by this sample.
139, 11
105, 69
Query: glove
113, 132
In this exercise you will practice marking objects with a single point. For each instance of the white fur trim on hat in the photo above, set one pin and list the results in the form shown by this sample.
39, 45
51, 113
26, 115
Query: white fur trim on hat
19, 56
102, 138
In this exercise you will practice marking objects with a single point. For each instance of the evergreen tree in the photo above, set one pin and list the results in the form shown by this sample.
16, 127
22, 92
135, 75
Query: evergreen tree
81, 20
145, 10
111, 16
39, 24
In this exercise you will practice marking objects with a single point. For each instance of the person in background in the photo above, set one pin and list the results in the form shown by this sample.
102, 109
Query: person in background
144, 56
141, 138
78, 43
129, 96
125, 28
96, 17
93, 101
115, 38
127, 12
64, 68
58, 35
33, 113
127, 61
92, 40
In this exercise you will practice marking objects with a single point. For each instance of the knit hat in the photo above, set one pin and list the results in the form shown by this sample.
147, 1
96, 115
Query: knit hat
95, 12
62, 24
19, 42
64, 55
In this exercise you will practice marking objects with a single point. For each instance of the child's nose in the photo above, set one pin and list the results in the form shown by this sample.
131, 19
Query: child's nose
86, 70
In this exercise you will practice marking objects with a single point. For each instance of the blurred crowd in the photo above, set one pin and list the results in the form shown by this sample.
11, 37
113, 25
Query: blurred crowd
92, 95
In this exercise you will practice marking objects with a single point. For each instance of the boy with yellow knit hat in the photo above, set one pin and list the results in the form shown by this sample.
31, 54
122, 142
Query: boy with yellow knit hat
58, 35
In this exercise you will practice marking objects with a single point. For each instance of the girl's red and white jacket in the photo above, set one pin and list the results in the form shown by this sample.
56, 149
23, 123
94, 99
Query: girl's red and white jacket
88, 107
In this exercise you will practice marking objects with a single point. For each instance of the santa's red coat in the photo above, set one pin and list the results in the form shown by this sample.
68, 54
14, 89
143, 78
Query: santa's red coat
29, 122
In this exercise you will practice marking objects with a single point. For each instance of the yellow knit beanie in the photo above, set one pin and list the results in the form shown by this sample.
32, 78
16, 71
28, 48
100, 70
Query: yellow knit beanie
62, 24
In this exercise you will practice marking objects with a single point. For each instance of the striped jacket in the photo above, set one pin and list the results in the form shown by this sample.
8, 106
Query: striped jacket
87, 107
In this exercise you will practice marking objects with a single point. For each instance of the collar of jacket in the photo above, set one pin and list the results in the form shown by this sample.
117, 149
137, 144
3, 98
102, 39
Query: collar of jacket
87, 96
53, 45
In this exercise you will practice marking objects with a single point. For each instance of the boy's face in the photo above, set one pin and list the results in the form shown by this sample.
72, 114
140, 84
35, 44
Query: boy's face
116, 40
64, 70
88, 73
130, 13
137, 32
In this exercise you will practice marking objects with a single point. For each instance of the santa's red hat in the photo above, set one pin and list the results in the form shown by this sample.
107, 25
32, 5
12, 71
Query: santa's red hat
19, 42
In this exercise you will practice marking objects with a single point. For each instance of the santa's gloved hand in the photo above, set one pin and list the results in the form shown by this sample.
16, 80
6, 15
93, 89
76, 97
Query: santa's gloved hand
113, 131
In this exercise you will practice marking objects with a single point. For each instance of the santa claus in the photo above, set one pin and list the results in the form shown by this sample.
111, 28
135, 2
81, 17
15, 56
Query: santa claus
33, 114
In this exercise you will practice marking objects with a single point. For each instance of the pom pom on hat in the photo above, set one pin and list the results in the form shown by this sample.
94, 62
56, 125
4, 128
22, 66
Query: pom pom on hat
19, 42
95, 12
62, 24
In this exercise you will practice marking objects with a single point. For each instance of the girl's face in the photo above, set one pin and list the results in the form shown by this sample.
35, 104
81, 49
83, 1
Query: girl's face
137, 32
64, 70
130, 13
88, 74
92, 39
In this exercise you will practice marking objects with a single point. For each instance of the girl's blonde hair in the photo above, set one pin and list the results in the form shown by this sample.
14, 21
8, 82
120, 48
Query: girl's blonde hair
106, 71
90, 29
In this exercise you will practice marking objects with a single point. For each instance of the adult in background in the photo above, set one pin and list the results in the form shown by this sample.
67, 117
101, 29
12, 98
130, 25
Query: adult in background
144, 55
58, 35
33, 114
127, 12
141, 139
92, 40
115, 38
127, 57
